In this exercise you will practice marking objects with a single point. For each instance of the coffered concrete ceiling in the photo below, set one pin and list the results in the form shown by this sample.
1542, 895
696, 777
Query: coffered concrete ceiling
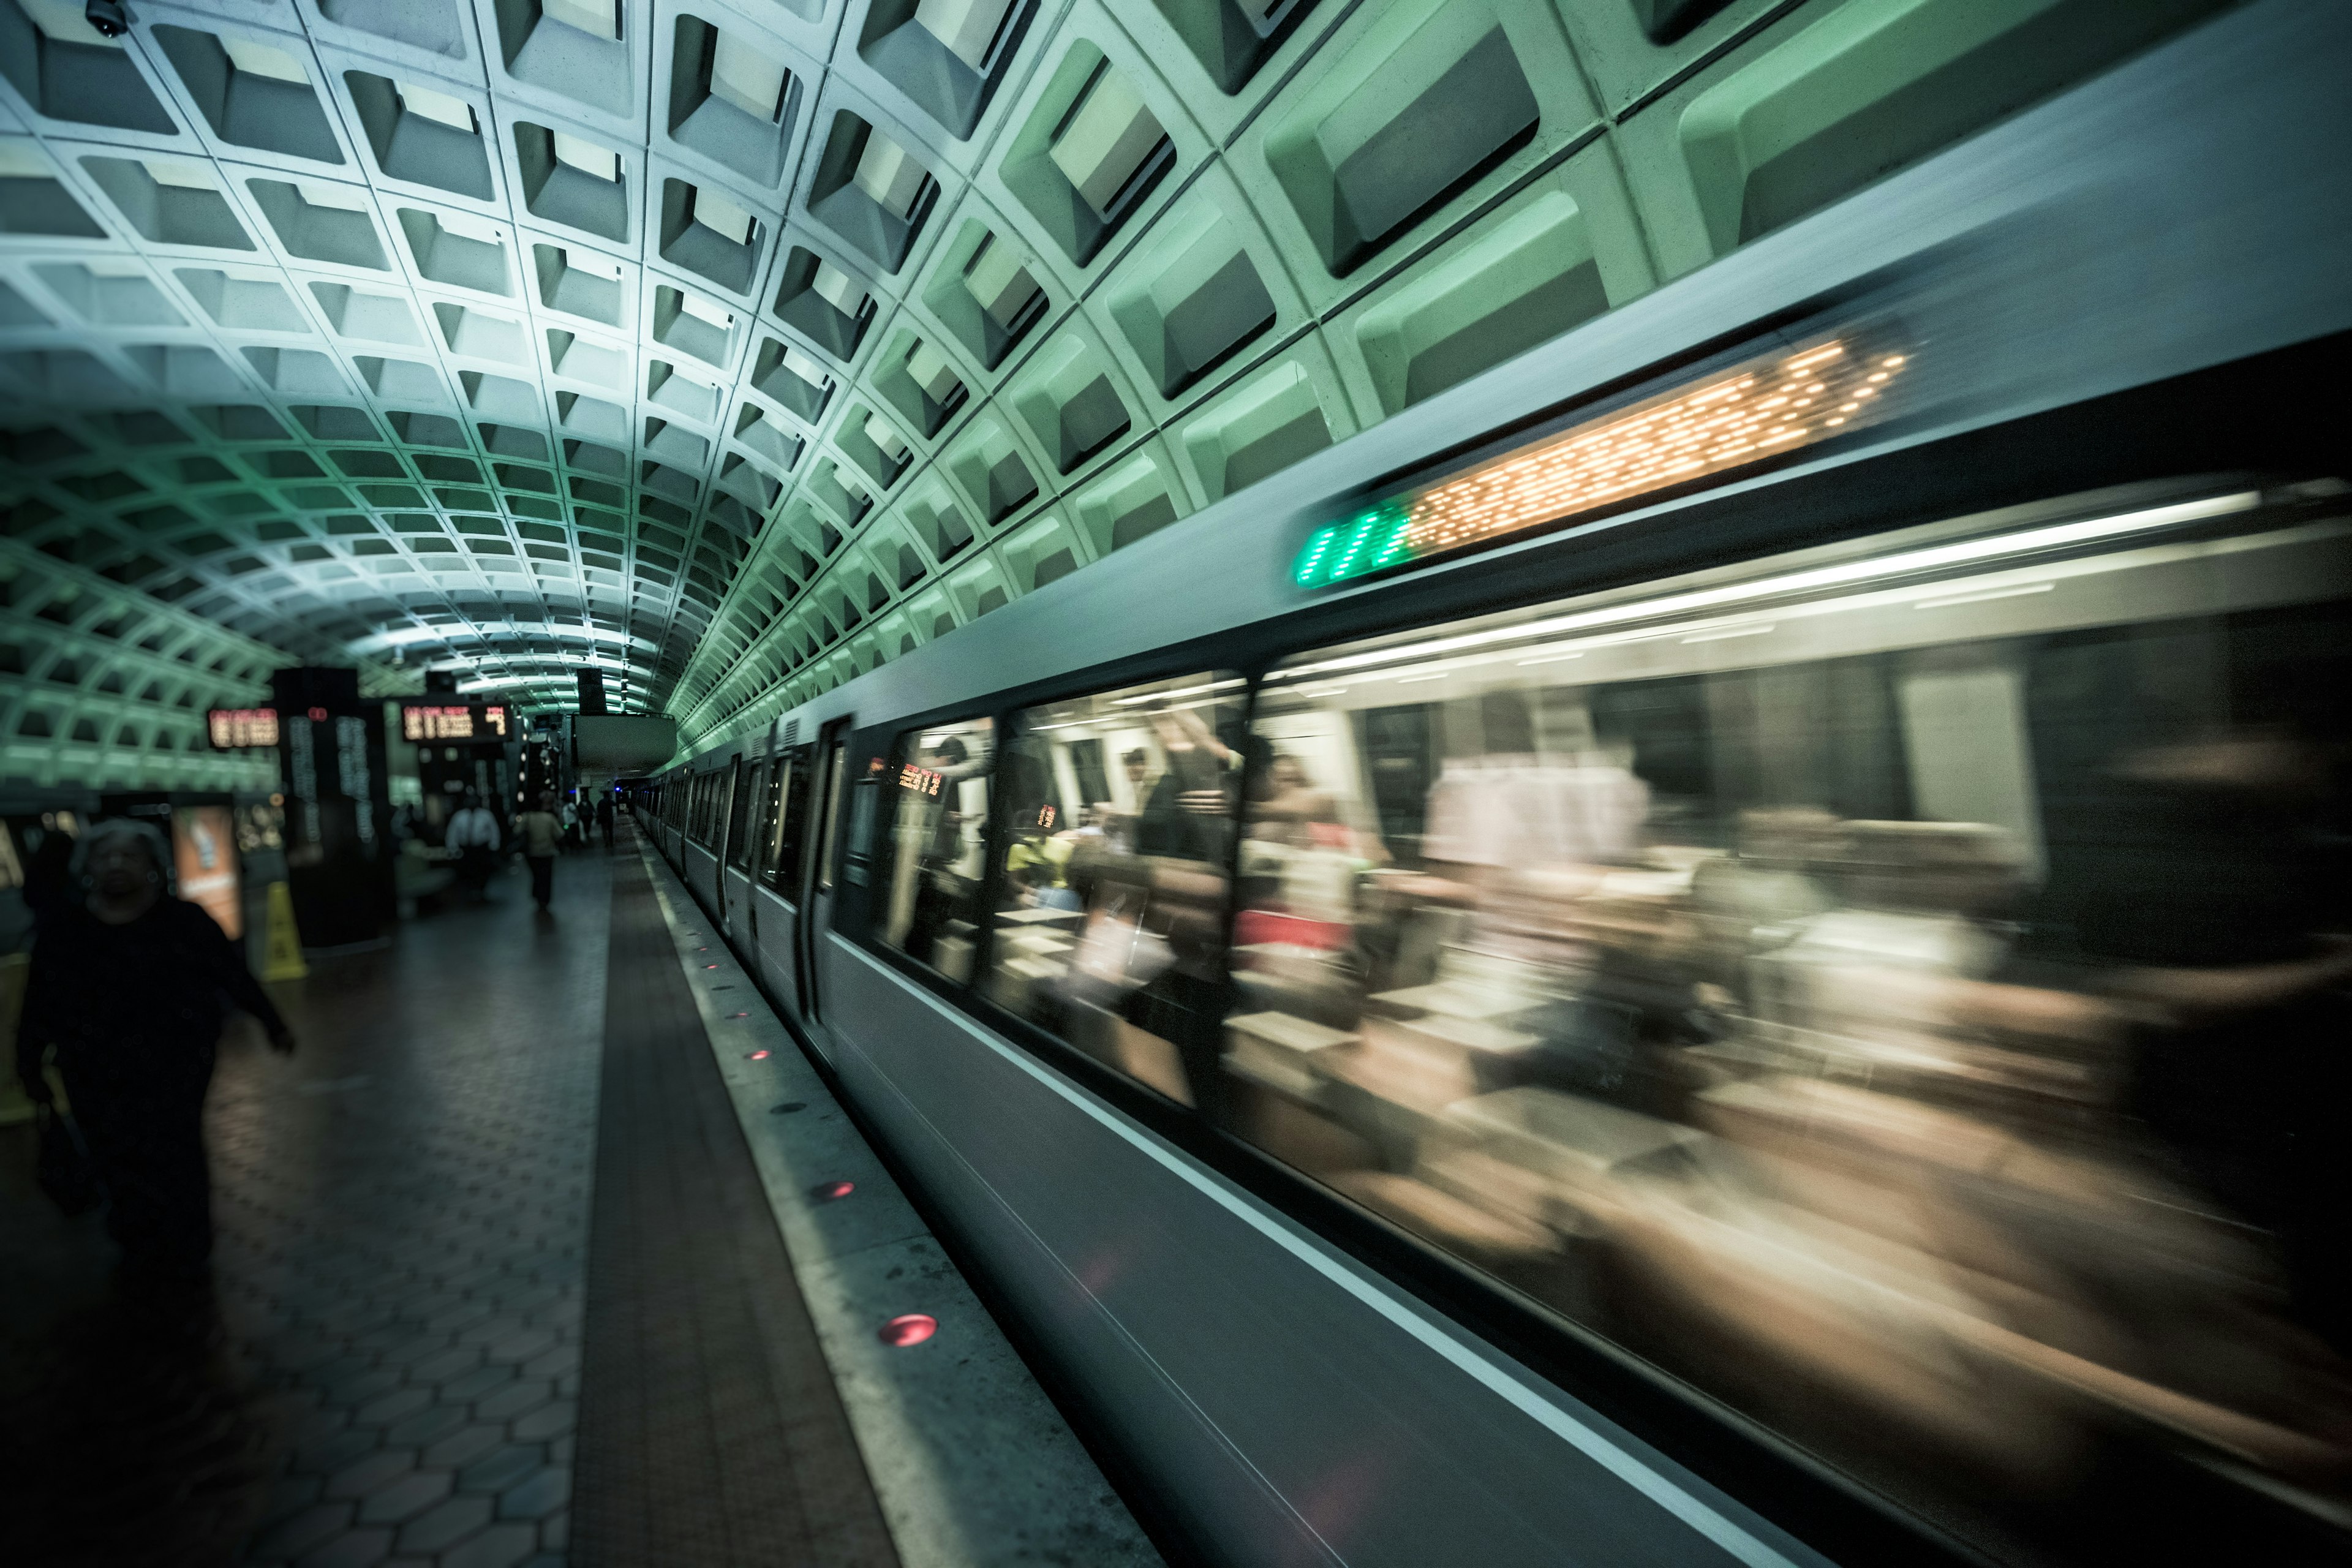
733, 347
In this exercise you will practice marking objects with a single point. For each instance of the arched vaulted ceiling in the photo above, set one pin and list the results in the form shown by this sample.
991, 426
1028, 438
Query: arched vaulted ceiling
733, 347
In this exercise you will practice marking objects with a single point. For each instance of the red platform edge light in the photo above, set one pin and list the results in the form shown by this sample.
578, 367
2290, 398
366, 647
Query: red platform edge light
828, 1191
908, 1329
743, 1015
709, 966
760, 1055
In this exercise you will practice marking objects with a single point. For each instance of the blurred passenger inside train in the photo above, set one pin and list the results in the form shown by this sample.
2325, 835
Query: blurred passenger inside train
2241, 997
1186, 802
1123, 957
127, 988
937, 886
1038, 863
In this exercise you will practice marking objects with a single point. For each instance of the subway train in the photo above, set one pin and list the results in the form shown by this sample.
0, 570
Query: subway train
1724, 944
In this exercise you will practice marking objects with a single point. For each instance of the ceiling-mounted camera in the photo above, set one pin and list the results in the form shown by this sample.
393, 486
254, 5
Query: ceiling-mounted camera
108, 16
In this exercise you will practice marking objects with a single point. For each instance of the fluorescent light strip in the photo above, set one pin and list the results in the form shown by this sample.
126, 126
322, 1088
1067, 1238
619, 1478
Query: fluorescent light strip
1981, 598
1179, 691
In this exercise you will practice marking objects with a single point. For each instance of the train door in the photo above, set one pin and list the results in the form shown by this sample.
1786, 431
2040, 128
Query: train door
748, 855
727, 785
830, 784
737, 869
776, 889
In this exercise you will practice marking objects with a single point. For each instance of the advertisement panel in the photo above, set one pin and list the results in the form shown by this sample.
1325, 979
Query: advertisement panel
203, 855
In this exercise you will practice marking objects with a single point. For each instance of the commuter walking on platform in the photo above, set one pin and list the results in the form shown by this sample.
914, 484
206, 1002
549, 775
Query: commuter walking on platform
127, 985
604, 817
473, 836
542, 833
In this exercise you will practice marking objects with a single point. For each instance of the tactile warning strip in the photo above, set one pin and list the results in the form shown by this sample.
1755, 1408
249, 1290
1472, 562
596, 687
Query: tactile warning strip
709, 1429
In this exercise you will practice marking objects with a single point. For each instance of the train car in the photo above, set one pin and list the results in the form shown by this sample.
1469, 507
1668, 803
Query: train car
1724, 943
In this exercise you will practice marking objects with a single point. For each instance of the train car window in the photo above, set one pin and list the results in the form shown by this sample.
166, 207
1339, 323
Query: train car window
1109, 928
934, 809
785, 864
741, 783
833, 784
866, 819
1879, 986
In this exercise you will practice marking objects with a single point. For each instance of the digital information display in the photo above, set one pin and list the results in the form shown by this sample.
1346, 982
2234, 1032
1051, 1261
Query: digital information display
456, 721
922, 781
1762, 408
239, 728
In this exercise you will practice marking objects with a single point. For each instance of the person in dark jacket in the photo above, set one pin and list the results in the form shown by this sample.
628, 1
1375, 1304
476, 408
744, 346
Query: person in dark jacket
128, 984
604, 817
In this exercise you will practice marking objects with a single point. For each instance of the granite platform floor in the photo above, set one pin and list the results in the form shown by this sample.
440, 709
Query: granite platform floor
404, 1210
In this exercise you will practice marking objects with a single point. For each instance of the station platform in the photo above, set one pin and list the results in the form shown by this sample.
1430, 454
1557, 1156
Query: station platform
548, 1246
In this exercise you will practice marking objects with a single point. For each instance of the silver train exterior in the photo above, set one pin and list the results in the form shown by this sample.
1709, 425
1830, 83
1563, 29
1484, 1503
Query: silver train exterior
2084, 295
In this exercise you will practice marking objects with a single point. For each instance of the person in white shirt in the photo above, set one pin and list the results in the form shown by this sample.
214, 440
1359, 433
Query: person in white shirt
473, 836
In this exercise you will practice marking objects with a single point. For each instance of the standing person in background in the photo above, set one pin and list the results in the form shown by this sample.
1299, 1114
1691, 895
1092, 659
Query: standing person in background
127, 985
473, 834
569, 815
604, 817
542, 833
48, 879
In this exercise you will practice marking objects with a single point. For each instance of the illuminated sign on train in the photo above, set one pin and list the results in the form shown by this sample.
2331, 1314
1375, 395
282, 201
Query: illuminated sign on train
456, 721
1727, 421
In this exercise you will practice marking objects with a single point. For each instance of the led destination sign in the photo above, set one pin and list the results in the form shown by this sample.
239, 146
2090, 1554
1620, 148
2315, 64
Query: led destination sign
237, 729
1727, 421
457, 722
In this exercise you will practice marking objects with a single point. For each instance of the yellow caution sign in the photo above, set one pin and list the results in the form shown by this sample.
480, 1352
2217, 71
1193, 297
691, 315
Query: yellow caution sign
285, 962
